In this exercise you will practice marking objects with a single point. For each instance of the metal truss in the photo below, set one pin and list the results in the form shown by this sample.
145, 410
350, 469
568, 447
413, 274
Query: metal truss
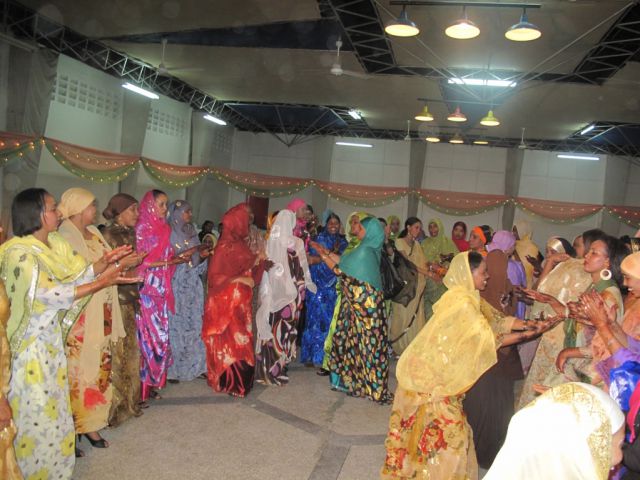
619, 45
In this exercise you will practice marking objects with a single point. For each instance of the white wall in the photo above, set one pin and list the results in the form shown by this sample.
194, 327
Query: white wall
462, 168
386, 164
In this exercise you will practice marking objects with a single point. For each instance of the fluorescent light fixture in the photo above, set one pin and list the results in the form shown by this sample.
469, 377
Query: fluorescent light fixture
578, 157
213, 119
350, 144
355, 115
479, 82
140, 91
587, 130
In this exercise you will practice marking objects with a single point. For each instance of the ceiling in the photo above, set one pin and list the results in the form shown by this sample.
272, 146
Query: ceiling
264, 65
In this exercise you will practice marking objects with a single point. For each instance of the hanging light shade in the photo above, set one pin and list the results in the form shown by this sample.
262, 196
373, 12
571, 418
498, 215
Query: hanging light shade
424, 115
523, 31
456, 139
457, 116
480, 142
432, 139
402, 26
490, 120
463, 29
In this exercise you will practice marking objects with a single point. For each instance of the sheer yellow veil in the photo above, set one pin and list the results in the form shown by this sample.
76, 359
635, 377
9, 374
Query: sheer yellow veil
456, 346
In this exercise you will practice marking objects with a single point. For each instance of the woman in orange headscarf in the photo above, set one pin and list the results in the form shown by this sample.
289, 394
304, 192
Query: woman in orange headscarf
226, 328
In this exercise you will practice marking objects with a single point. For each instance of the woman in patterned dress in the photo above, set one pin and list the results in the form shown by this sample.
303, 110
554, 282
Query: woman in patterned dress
282, 293
359, 361
89, 342
48, 285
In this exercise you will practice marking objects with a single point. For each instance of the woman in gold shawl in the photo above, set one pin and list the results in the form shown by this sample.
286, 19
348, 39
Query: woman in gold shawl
429, 437
48, 285
89, 341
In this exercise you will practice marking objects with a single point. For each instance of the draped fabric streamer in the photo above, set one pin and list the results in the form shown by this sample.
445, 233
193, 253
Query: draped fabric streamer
13, 145
459, 203
557, 212
361, 195
174, 176
105, 167
94, 165
628, 215
261, 185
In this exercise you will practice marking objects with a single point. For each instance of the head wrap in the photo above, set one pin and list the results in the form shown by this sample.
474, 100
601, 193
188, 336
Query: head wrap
232, 257
480, 233
523, 227
502, 240
461, 243
325, 216
74, 201
565, 433
183, 234
457, 329
153, 235
556, 245
278, 287
631, 265
363, 262
118, 204
295, 204
433, 247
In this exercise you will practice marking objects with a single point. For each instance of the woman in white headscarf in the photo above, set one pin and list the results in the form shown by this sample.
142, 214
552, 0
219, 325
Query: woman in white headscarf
572, 432
282, 293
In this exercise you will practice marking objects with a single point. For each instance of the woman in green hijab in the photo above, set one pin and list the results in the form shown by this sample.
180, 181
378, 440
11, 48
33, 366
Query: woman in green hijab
359, 359
438, 251
353, 221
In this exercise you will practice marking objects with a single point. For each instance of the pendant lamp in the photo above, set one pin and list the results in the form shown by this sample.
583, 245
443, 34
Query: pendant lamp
432, 139
425, 115
463, 29
456, 139
457, 116
490, 120
402, 26
523, 31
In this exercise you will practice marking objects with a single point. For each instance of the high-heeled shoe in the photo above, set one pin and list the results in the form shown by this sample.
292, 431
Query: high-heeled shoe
100, 443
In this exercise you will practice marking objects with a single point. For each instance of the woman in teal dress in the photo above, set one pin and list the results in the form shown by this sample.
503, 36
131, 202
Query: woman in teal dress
359, 360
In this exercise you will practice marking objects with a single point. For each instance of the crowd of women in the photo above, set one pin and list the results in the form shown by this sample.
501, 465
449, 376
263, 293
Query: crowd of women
94, 322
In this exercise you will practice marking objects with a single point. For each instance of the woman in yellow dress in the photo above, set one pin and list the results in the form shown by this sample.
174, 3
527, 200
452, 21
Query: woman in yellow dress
48, 285
429, 437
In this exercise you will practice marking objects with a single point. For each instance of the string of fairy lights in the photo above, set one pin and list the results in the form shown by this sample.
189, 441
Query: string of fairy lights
106, 167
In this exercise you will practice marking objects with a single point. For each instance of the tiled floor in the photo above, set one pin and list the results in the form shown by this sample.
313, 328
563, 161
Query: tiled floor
300, 431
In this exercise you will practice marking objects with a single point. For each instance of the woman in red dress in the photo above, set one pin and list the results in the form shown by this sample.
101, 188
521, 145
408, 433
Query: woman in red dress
226, 329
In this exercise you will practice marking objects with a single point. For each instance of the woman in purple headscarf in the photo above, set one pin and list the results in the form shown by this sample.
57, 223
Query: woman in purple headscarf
506, 242
185, 325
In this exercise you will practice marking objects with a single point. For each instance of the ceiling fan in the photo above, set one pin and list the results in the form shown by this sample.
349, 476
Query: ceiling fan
523, 145
407, 137
337, 70
162, 69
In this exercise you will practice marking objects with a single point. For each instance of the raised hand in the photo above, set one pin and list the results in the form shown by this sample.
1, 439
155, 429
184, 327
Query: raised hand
117, 254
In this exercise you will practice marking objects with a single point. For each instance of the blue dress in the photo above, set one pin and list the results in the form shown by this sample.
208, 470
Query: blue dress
185, 326
319, 306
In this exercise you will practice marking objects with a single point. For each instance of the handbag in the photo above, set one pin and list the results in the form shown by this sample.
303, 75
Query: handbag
392, 282
409, 274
